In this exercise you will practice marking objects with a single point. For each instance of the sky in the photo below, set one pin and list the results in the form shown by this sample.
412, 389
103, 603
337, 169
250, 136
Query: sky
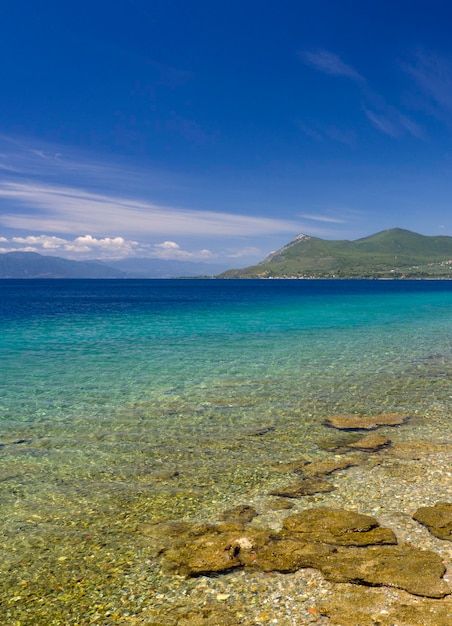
218, 131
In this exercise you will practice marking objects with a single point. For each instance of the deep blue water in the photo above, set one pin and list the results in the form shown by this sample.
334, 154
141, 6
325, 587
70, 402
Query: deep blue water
74, 347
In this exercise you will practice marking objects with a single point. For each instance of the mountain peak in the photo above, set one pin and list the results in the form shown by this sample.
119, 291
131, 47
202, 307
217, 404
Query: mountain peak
300, 237
277, 253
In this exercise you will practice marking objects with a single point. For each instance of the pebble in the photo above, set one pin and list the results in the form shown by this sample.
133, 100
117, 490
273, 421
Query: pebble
221, 597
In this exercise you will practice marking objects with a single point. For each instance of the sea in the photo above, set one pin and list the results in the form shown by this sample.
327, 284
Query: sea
127, 403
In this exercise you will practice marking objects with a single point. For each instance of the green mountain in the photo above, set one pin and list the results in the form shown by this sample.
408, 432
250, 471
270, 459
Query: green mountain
394, 253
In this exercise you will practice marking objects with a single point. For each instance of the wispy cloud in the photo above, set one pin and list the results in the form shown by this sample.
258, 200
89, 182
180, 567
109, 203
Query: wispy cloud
9, 168
55, 200
308, 130
432, 73
322, 218
250, 251
330, 63
189, 129
383, 116
346, 137
52, 208
391, 122
382, 123
56, 163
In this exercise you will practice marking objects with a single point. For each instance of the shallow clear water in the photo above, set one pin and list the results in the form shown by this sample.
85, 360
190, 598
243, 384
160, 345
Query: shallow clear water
124, 402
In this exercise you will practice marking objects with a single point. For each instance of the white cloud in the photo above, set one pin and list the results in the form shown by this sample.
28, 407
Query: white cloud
47, 242
105, 248
85, 246
89, 247
161, 251
172, 250
88, 242
168, 245
70, 210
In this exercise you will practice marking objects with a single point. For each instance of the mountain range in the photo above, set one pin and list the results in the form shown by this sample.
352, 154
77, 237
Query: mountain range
394, 253
33, 265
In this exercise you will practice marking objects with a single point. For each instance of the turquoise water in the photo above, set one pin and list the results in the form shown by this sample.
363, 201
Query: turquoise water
128, 402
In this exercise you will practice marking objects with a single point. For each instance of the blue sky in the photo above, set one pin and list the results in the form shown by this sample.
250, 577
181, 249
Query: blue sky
217, 131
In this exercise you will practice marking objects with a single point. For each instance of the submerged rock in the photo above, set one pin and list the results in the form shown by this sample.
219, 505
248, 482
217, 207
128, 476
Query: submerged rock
280, 504
419, 572
369, 606
242, 513
337, 527
415, 449
324, 468
365, 422
289, 555
437, 518
313, 477
370, 443
217, 550
307, 487
344, 545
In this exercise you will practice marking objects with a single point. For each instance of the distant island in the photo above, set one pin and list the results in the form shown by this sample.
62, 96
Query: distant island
394, 253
